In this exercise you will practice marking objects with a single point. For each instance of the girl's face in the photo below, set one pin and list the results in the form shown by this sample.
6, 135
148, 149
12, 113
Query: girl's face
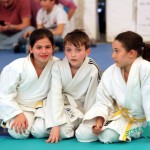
42, 51
121, 56
76, 55
47, 4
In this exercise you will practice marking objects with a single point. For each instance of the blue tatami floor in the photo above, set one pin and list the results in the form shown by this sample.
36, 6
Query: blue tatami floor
7, 143
101, 54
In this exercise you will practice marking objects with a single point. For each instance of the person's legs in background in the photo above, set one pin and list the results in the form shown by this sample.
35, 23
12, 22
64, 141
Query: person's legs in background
9, 42
59, 42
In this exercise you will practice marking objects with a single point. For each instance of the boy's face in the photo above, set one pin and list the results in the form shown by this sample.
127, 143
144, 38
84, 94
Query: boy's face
76, 55
47, 4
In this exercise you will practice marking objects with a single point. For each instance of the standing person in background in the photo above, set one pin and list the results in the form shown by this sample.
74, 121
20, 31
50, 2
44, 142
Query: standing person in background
122, 105
24, 86
15, 21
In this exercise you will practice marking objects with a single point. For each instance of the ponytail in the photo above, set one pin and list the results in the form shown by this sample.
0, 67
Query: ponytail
146, 51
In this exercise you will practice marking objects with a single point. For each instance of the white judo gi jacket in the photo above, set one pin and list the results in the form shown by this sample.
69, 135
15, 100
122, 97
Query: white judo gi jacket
124, 106
21, 89
70, 97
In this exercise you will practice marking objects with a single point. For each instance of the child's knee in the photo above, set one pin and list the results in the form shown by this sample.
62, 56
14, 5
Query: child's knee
38, 132
66, 131
18, 135
85, 134
109, 136
38, 129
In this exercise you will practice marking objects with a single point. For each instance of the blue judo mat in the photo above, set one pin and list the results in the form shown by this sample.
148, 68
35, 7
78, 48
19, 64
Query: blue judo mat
101, 54
8, 143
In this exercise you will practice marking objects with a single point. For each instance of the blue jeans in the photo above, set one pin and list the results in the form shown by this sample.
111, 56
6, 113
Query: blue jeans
7, 42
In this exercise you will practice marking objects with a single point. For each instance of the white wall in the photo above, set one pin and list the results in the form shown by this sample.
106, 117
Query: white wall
143, 19
86, 17
120, 16
123, 15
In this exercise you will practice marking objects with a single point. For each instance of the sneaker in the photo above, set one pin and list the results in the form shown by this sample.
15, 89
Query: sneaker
16, 48
92, 43
56, 49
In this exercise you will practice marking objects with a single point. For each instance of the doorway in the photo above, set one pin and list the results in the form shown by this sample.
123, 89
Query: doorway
101, 10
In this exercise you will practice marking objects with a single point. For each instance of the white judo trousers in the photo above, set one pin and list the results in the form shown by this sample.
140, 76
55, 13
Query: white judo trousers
23, 91
70, 97
124, 106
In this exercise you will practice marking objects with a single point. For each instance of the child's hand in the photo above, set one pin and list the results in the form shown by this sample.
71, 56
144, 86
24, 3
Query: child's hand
3, 28
20, 123
54, 135
97, 127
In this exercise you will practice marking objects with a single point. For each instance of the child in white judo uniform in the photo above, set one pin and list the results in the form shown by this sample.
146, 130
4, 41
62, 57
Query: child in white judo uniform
73, 86
24, 86
122, 105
